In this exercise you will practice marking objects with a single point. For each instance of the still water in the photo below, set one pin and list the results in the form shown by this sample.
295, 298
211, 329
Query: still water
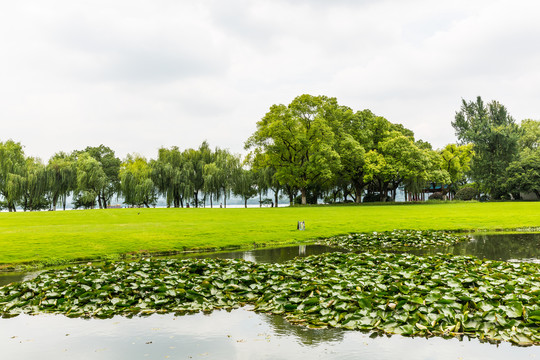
239, 334
243, 334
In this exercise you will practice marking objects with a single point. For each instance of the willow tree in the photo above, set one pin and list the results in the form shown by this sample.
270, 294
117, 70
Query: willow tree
227, 164
298, 141
91, 181
136, 183
110, 165
244, 184
62, 178
12, 173
198, 158
36, 186
171, 173
212, 182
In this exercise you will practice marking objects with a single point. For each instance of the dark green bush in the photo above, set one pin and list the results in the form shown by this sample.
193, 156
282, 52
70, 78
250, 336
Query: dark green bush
436, 196
467, 193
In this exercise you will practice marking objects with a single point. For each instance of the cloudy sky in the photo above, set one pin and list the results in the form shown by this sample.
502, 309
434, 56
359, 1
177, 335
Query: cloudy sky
138, 75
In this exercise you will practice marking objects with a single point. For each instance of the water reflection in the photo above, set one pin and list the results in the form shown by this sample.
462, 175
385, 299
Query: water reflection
239, 334
304, 335
506, 247
273, 255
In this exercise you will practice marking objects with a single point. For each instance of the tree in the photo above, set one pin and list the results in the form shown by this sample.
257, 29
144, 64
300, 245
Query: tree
35, 186
353, 139
198, 159
298, 141
227, 165
12, 173
171, 173
136, 182
530, 134
212, 182
456, 161
91, 181
244, 184
523, 175
62, 178
494, 136
111, 167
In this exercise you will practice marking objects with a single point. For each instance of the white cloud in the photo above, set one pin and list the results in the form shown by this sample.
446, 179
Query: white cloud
140, 75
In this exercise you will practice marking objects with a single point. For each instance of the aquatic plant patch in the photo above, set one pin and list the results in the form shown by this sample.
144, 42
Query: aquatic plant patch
393, 293
396, 240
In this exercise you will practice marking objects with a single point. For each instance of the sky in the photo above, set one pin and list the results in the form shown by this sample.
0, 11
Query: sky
139, 75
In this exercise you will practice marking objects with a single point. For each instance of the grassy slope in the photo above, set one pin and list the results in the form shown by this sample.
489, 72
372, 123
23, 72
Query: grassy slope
46, 236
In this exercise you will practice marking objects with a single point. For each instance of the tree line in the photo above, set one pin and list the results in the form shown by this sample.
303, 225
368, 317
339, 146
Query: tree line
312, 148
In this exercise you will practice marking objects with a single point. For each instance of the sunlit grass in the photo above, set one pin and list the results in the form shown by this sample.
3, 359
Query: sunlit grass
55, 237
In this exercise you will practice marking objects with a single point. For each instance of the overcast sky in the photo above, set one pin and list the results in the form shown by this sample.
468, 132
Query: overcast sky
139, 75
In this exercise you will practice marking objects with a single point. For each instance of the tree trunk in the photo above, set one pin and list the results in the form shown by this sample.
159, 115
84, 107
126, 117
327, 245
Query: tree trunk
304, 196
276, 197
245, 202
358, 193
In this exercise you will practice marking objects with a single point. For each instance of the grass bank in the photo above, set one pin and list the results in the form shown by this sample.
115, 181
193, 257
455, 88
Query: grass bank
56, 237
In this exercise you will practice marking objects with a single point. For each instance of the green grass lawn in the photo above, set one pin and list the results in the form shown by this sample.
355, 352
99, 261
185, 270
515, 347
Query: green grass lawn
54, 237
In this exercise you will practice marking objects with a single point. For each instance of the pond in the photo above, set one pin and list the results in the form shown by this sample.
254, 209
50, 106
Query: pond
243, 334
506, 247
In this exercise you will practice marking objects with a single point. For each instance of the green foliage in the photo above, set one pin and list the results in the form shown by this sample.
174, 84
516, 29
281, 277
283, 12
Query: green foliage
12, 173
395, 240
110, 165
170, 174
136, 183
244, 184
91, 181
530, 134
466, 193
523, 175
494, 135
393, 293
297, 140
36, 186
436, 196
456, 161
62, 178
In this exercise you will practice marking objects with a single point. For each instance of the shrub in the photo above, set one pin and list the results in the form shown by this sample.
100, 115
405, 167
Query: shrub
436, 196
467, 193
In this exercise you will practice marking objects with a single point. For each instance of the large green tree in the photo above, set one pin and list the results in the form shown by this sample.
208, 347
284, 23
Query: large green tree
91, 181
298, 141
111, 167
456, 161
136, 182
12, 173
171, 174
62, 178
35, 186
244, 184
523, 175
198, 158
494, 136
530, 134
